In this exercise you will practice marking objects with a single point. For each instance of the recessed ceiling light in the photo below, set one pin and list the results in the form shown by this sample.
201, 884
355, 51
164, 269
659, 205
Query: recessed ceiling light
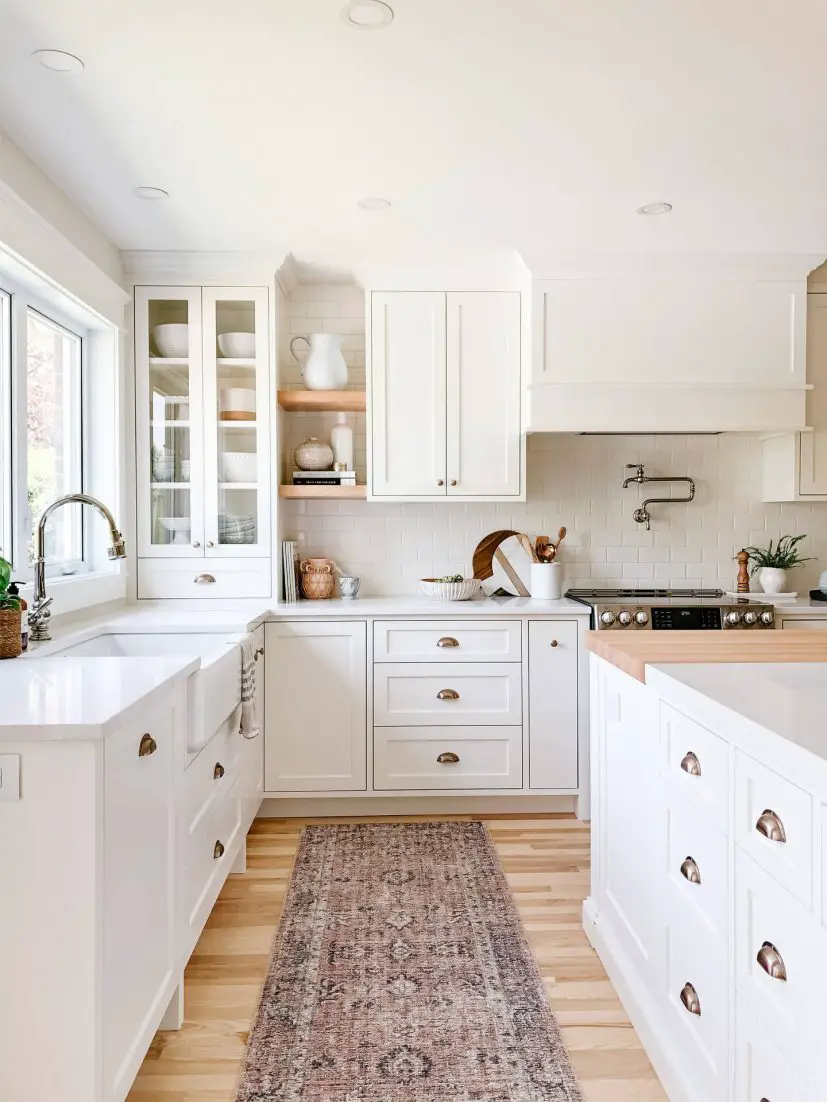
655, 208
367, 15
58, 61
373, 202
151, 193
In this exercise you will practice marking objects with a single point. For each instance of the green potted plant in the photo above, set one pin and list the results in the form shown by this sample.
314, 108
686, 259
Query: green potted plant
772, 562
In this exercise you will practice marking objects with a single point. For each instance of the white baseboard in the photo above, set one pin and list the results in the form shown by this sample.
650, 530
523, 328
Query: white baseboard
313, 808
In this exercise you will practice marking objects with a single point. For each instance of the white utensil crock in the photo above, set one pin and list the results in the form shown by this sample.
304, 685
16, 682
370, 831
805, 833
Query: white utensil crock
546, 581
324, 368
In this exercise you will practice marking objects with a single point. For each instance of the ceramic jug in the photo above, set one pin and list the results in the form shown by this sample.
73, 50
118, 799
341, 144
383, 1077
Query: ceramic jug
324, 367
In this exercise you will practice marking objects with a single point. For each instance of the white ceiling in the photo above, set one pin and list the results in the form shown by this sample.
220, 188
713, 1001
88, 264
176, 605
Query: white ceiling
509, 124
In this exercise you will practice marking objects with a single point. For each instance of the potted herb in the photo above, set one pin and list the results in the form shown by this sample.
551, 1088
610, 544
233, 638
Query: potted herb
10, 636
771, 563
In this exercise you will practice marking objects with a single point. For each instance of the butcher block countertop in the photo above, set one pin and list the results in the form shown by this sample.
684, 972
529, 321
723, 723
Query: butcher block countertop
632, 653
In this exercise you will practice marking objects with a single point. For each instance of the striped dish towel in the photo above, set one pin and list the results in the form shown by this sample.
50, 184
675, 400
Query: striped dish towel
249, 713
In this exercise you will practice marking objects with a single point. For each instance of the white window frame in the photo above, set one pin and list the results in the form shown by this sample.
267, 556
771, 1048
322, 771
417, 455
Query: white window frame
6, 466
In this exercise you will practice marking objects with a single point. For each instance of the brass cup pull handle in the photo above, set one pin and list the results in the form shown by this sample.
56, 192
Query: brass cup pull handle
771, 826
691, 765
772, 962
448, 758
447, 641
218, 772
147, 746
447, 694
218, 851
690, 871
204, 579
690, 1000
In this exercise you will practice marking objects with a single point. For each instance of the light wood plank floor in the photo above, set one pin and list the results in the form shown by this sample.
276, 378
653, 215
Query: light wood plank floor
546, 859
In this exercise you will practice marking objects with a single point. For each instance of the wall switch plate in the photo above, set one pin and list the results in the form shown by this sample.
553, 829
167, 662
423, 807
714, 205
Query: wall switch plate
9, 777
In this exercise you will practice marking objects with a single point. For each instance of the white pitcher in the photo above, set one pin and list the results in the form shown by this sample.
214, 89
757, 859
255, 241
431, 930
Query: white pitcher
324, 367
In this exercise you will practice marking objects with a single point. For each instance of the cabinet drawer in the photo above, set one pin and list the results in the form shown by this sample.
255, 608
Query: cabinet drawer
446, 696
698, 865
472, 757
774, 825
697, 969
160, 578
213, 772
207, 857
697, 764
762, 1072
770, 923
446, 641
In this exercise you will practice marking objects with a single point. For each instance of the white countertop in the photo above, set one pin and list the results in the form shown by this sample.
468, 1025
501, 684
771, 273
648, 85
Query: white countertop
785, 699
414, 605
80, 698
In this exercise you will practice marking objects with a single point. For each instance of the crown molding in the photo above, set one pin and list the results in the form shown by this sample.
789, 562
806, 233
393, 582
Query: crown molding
201, 268
757, 267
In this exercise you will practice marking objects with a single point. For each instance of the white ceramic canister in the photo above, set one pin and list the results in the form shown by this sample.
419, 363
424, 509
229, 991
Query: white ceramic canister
341, 440
324, 368
546, 581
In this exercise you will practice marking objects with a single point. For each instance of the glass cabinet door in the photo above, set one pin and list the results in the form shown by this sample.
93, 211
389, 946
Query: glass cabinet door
236, 422
168, 378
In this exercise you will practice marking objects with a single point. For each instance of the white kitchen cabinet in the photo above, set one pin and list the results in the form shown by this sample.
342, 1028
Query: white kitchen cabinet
203, 435
552, 704
316, 698
445, 395
798, 623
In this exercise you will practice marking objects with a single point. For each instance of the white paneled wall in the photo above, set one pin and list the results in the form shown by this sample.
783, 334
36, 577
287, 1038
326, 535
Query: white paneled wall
576, 481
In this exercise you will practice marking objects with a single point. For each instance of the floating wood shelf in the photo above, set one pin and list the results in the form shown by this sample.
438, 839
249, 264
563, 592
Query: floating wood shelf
319, 401
354, 493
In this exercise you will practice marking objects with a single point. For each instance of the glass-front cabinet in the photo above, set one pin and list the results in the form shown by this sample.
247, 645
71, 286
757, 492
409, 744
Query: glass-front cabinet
203, 427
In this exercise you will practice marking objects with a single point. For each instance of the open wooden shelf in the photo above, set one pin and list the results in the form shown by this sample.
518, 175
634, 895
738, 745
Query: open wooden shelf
319, 401
354, 493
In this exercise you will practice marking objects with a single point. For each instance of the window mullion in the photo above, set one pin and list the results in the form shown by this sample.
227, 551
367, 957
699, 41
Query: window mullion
21, 513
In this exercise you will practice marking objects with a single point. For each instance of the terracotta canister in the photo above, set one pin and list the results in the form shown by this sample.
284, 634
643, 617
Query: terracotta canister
318, 579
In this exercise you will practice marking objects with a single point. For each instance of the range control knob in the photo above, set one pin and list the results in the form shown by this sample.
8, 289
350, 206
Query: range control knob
733, 617
607, 618
750, 618
641, 616
767, 617
624, 617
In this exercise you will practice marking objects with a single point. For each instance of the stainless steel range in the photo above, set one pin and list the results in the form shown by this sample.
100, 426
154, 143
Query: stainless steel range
673, 610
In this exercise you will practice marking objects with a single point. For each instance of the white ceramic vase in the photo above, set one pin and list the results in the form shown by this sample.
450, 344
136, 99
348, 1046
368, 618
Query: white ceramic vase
324, 367
772, 579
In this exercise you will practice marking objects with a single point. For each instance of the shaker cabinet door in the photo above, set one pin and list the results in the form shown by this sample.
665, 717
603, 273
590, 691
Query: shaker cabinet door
552, 704
408, 394
483, 394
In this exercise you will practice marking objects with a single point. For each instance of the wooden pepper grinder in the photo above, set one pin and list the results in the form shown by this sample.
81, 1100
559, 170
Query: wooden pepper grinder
743, 572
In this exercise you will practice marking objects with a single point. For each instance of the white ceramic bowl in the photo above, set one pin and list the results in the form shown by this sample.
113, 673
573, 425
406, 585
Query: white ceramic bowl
176, 524
465, 590
239, 466
237, 346
236, 399
172, 341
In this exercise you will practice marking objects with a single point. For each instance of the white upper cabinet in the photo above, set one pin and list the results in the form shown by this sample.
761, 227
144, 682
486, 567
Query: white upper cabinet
795, 465
445, 395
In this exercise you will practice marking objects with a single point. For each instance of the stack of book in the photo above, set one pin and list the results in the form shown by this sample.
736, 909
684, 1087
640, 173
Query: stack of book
290, 564
324, 478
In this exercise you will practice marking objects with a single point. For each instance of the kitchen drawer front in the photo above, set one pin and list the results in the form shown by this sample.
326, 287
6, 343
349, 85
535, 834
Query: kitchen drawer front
408, 695
697, 764
213, 773
446, 641
408, 757
769, 808
770, 922
762, 1072
161, 578
698, 866
697, 968
205, 866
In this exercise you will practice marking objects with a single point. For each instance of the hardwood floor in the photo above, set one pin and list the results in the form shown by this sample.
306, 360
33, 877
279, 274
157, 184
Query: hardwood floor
546, 859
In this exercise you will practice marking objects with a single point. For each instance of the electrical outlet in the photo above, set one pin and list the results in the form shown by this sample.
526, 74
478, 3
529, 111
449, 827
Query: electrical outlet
9, 777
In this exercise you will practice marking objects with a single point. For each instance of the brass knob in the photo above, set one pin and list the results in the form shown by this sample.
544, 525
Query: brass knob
771, 827
691, 765
453, 482
689, 998
690, 871
772, 962
204, 579
447, 694
147, 746
440, 482
218, 772
448, 759
447, 641
218, 851
554, 643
